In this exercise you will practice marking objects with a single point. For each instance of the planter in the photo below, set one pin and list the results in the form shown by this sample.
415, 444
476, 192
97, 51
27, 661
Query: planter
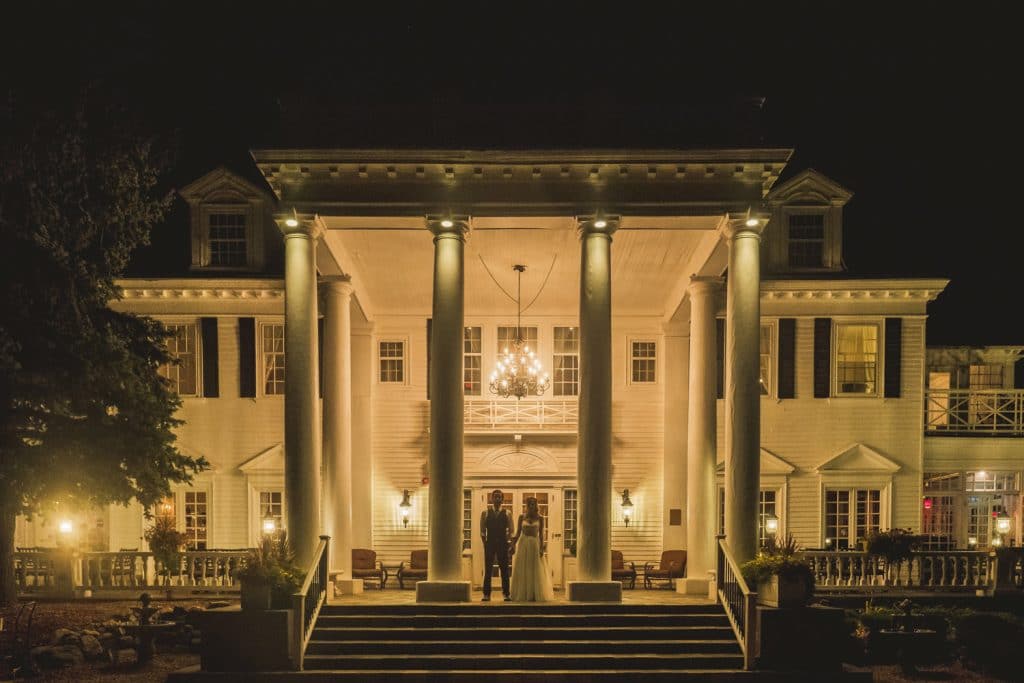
255, 595
782, 592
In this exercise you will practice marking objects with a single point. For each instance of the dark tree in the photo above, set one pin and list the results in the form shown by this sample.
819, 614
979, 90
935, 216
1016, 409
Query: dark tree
86, 418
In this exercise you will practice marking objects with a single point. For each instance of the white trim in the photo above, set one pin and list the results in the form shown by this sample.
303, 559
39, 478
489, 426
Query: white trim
640, 339
406, 370
853, 482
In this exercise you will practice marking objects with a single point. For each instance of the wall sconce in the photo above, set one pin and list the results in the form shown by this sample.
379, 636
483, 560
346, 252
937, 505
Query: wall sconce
405, 507
771, 525
927, 503
269, 526
1003, 523
627, 507
997, 541
65, 526
972, 541
828, 542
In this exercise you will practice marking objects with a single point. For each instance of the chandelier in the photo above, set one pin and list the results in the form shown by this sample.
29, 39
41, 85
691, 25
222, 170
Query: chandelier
518, 371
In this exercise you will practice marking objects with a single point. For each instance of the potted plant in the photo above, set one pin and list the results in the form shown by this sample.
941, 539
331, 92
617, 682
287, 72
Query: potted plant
257, 575
780, 579
166, 543
895, 545
286, 577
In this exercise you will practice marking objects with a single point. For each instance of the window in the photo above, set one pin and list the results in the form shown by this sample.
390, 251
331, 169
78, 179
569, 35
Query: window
986, 377
392, 362
643, 359
765, 368
992, 481
937, 523
272, 506
570, 501
471, 363
807, 240
181, 346
856, 358
507, 337
467, 518
845, 524
566, 377
227, 239
273, 358
986, 408
196, 518
767, 506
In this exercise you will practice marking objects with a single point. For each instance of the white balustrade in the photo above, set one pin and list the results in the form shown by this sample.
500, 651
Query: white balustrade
496, 415
985, 411
952, 570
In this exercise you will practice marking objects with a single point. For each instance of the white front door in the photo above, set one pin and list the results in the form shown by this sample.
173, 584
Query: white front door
549, 504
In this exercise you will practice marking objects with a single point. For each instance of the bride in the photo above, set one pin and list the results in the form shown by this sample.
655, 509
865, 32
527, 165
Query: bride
530, 579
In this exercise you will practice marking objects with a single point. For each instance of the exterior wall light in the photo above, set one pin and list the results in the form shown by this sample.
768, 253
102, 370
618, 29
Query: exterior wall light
291, 223
269, 526
65, 526
627, 507
997, 541
753, 222
1003, 523
972, 541
447, 223
600, 223
828, 543
927, 503
771, 525
405, 507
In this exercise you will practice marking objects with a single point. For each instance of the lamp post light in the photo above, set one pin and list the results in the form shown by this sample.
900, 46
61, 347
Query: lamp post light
1003, 523
269, 526
972, 542
771, 525
405, 507
627, 507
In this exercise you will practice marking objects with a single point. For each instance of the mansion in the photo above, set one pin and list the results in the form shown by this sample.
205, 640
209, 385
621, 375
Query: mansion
709, 363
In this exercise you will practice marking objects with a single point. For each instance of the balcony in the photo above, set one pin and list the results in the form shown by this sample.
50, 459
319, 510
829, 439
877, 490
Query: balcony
974, 412
484, 416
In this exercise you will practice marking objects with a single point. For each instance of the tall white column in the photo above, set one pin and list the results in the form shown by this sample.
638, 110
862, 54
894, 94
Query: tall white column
302, 435
676, 353
362, 436
701, 438
742, 392
594, 444
337, 423
444, 559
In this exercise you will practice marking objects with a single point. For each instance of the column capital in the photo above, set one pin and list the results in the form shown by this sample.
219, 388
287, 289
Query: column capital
705, 285
745, 224
447, 224
300, 224
597, 224
337, 284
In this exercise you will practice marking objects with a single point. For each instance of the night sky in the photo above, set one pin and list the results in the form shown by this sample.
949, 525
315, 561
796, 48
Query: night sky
909, 108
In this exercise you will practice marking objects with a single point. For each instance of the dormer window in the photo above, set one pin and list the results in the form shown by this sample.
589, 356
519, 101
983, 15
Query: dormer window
227, 239
806, 240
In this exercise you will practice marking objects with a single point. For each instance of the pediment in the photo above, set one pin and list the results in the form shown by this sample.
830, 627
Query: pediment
269, 460
859, 458
809, 187
222, 185
513, 460
770, 464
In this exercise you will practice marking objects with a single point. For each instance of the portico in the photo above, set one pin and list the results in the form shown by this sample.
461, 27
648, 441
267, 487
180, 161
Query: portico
612, 242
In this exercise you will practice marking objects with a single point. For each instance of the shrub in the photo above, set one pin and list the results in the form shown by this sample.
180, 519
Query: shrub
165, 542
991, 641
895, 545
764, 567
273, 562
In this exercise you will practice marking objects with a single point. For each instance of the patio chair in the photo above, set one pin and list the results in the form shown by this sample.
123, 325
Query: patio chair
620, 572
417, 569
15, 643
671, 567
367, 567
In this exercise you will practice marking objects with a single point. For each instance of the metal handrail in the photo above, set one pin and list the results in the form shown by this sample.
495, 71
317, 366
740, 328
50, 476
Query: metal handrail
739, 602
307, 601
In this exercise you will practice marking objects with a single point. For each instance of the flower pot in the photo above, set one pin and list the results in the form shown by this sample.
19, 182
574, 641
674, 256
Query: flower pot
782, 592
255, 595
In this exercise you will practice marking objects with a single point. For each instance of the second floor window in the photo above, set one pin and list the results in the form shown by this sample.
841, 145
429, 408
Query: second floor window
765, 379
227, 239
644, 357
392, 362
807, 240
471, 361
856, 359
181, 345
566, 370
273, 359
507, 337
986, 376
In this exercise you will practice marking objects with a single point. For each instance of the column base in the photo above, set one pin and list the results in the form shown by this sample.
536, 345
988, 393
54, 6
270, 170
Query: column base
692, 586
593, 591
442, 591
348, 586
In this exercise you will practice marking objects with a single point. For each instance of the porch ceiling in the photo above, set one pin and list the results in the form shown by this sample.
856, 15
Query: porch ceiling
652, 259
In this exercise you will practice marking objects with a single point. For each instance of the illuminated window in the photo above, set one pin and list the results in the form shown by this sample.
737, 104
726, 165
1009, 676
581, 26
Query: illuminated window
643, 362
467, 519
273, 359
807, 240
987, 376
472, 346
181, 346
850, 515
566, 377
570, 502
765, 367
507, 337
856, 358
227, 239
196, 518
767, 506
392, 362
272, 507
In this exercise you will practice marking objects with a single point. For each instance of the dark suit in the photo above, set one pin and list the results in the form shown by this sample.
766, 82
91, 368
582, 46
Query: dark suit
496, 548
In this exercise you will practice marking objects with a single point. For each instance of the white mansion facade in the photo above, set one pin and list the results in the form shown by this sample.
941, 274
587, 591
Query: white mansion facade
861, 426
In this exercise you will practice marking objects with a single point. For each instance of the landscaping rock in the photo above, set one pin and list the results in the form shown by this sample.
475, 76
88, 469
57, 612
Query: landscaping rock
216, 604
56, 656
91, 647
90, 632
126, 642
65, 636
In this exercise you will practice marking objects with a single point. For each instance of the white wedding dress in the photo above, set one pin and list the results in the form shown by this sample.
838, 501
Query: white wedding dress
531, 581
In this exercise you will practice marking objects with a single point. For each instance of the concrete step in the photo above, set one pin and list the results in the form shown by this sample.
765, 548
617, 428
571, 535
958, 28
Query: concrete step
521, 608
525, 662
408, 633
559, 648
487, 620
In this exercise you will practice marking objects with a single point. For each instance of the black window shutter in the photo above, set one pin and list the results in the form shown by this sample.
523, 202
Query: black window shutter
720, 357
787, 358
320, 356
822, 357
247, 357
893, 356
211, 370
430, 328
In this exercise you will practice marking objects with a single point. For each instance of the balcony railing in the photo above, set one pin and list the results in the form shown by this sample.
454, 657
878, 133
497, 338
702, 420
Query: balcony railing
486, 414
948, 570
974, 411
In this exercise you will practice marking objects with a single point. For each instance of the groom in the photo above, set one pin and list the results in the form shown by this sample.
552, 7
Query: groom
495, 532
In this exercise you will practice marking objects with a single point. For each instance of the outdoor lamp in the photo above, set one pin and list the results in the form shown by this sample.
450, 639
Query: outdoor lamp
771, 525
405, 507
1003, 523
627, 506
269, 526
972, 541
997, 541
828, 542
65, 526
